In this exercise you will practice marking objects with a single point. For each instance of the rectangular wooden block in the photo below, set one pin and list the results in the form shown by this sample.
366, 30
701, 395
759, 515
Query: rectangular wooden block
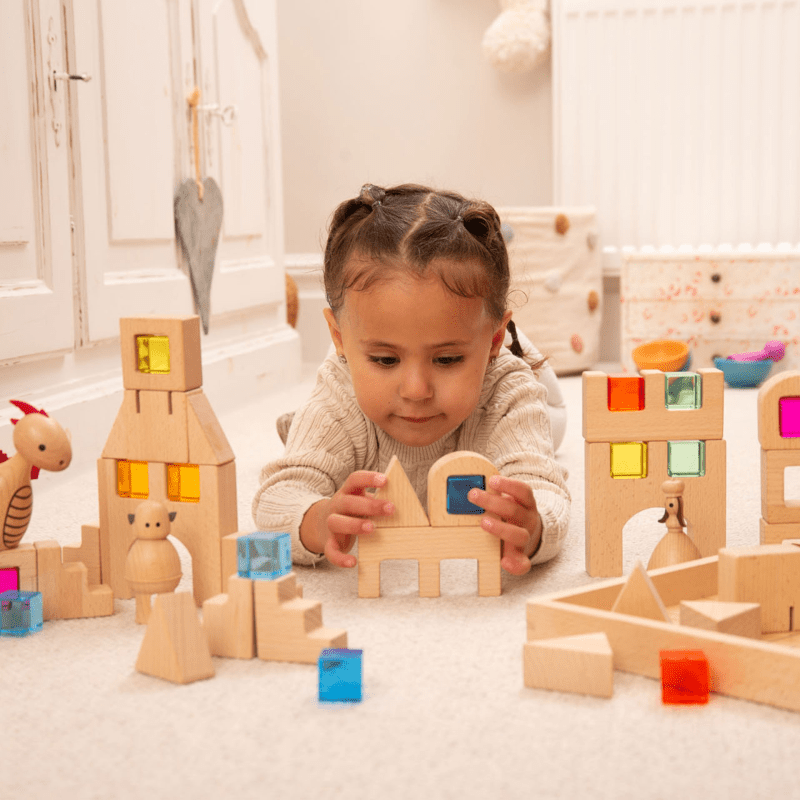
229, 620
775, 509
655, 422
87, 553
582, 664
23, 557
185, 369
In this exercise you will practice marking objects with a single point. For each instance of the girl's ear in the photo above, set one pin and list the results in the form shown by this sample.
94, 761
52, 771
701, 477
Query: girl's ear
499, 335
333, 327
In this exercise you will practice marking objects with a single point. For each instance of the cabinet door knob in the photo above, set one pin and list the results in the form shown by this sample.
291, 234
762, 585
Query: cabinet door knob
716, 277
715, 317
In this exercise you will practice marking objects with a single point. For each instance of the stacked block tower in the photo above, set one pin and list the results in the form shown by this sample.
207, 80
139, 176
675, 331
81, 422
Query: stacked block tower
779, 436
166, 445
639, 431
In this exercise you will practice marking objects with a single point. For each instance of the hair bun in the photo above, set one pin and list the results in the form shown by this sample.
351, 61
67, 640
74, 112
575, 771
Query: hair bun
371, 195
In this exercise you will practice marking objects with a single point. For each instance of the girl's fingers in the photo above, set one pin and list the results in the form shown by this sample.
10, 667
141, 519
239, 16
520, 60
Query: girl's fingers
521, 492
511, 534
336, 556
357, 482
515, 561
353, 505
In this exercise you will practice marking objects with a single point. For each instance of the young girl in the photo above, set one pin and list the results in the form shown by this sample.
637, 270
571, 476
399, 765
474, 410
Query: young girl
417, 283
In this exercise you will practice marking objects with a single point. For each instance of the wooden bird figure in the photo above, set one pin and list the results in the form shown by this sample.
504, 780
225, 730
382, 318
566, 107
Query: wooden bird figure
153, 565
41, 443
676, 546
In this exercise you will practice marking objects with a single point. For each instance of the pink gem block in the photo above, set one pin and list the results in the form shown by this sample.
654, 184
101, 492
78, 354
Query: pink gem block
789, 417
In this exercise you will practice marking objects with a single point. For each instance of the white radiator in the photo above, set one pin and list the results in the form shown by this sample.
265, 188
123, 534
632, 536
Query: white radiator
679, 121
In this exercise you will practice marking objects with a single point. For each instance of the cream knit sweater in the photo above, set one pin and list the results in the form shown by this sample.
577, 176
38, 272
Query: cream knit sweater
330, 438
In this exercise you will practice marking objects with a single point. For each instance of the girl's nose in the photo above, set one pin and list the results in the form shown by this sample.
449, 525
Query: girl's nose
415, 385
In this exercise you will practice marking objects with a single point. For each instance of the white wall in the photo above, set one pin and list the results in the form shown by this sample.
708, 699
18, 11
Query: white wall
389, 92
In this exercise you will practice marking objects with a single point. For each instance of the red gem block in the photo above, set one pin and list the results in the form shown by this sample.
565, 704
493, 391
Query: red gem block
684, 677
625, 393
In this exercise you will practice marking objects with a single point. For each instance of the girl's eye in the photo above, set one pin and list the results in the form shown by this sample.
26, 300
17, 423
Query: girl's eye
448, 361
384, 361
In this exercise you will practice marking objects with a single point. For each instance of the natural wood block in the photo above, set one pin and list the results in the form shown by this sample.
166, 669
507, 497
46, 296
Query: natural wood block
768, 575
48, 567
640, 598
289, 628
655, 422
186, 370
398, 490
582, 664
783, 384
230, 557
739, 619
87, 553
150, 426
611, 502
461, 462
174, 645
775, 509
229, 620
207, 441
24, 557
771, 533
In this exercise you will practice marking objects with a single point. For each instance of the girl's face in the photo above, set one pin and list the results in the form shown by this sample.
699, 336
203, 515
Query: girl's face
417, 354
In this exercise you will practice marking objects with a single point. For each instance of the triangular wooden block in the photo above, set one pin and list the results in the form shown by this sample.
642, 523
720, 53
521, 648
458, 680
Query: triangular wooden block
640, 598
582, 664
174, 645
740, 619
409, 512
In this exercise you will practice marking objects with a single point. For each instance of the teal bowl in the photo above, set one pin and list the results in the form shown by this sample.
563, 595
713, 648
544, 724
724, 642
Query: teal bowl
744, 374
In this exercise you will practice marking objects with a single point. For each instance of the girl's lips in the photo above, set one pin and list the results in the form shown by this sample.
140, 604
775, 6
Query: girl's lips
417, 419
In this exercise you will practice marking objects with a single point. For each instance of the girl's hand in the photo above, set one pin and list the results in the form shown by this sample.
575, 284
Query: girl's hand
344, 516
515, 520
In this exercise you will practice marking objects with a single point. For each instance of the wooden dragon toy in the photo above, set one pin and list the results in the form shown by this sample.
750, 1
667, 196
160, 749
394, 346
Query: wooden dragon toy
41, 443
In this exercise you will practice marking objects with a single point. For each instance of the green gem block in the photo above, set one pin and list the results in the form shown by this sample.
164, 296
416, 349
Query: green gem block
686, 459
683, 390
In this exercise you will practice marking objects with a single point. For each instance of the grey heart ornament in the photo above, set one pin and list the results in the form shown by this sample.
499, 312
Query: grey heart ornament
197, 225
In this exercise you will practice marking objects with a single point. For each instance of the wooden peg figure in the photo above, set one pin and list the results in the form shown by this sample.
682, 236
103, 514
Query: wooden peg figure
153, 565
676, 546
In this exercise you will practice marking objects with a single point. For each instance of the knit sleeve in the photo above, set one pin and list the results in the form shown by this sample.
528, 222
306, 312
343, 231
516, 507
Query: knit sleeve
328, 441
520, 446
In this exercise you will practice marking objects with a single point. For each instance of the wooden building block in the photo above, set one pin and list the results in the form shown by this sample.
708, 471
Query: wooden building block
768, 575
582, 664
185, 358
398, 490
640, 597
783, 384
775, 533
461, 462
198, 526
66, 592
87, 553
150, 426
207, 441
739, 619
24, 557
611, 502
289, 628
775, 509
655, 422
229, 620
174, 645
229, 556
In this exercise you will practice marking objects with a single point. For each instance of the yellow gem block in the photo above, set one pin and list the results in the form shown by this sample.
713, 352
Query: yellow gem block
132, 479
183, 483
153, 354
628, 460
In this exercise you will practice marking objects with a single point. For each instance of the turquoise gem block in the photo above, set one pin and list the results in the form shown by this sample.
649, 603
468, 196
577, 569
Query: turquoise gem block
686, 459
20, 613
458, 487
340, 675
264, 555
683, 390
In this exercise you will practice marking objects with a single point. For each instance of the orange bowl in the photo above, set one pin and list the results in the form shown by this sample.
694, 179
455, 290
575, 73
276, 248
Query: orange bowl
668, 355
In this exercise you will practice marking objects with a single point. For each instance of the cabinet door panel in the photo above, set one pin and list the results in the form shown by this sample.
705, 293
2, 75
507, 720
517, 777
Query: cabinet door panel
36, 309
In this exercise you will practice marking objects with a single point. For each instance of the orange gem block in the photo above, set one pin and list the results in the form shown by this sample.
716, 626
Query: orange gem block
684, 677
625, 393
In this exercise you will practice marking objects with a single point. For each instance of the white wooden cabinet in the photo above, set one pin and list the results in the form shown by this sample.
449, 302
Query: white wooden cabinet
89, 169
719, 303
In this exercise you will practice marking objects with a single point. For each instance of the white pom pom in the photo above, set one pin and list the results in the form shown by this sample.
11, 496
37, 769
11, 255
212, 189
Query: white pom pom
519, 39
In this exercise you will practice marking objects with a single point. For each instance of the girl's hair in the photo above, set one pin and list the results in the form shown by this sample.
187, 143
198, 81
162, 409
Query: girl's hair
409, 227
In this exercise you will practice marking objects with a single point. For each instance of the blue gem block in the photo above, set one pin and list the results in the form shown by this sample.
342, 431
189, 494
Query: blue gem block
20, 613
458, 487
264, 556
340, 675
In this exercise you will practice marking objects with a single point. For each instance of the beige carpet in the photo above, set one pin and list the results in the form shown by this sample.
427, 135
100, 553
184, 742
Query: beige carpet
445, 713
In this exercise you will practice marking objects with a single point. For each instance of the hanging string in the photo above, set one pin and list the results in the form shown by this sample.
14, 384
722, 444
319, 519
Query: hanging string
193, 100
